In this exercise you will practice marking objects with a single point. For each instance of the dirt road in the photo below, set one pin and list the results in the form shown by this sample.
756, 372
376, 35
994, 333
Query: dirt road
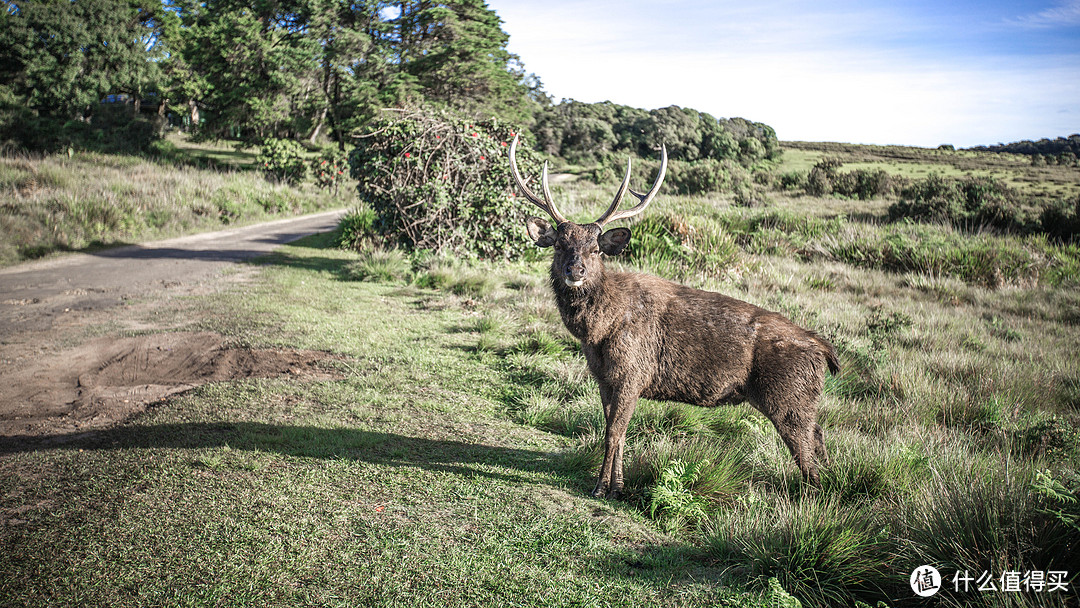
59, 373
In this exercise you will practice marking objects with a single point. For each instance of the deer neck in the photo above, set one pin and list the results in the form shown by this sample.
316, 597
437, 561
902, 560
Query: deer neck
585, 311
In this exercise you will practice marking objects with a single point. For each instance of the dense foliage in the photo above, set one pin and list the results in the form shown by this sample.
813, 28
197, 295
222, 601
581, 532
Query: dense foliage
440, 181
826, 178
59, 60
970, 202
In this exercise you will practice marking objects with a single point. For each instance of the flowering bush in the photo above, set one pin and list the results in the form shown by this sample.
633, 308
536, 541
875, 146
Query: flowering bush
329, 169
441, 182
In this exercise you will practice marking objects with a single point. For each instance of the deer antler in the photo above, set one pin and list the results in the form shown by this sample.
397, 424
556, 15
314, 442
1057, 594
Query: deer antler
547, 203
644, 199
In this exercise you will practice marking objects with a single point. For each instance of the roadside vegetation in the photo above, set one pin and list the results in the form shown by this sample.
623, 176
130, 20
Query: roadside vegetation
86, 200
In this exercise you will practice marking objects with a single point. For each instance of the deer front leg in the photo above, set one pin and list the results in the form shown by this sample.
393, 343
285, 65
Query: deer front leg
602, 480
617, 413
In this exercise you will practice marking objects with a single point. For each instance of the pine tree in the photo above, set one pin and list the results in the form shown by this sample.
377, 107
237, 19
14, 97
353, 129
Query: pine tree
456, 51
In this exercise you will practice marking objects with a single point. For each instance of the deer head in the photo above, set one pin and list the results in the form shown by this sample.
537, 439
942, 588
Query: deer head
578, 247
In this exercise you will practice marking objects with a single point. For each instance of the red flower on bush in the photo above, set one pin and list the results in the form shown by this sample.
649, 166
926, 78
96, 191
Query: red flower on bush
407, 155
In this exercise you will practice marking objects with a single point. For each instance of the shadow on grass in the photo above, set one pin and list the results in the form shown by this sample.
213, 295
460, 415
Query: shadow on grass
386, 449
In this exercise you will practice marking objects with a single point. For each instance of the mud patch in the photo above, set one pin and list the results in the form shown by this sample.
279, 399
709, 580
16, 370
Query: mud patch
110, 379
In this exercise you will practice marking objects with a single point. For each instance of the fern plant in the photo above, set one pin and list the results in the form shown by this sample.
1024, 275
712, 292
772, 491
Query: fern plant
672, 500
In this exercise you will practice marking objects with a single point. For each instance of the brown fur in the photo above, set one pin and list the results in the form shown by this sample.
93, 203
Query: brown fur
644, 336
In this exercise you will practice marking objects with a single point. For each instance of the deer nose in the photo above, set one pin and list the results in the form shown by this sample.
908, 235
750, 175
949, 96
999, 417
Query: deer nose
575, 270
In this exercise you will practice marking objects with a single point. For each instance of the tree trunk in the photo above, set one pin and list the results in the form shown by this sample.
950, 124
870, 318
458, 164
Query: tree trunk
318, 126
194, 108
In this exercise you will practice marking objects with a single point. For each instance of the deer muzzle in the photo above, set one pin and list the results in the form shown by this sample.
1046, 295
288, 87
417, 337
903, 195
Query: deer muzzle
574, 273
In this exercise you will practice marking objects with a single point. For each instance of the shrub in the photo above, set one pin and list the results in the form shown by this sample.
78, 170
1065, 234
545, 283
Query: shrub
871, 184
819, 180
792, 180
441, 182
282, 159
969, 203
1061, 220
329, 168
824, 178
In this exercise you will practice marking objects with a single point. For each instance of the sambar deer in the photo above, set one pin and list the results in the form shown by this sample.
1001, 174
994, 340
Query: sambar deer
644, 336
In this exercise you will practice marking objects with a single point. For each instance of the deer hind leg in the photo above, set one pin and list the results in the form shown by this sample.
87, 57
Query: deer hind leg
800, 443
802, 436
820, 452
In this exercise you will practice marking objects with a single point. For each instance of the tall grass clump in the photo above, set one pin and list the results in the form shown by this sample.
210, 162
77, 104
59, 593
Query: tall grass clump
980, 517
820, 550
674, 246
381, 265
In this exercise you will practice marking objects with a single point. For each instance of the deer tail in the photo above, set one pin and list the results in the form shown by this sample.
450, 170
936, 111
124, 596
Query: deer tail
831, 358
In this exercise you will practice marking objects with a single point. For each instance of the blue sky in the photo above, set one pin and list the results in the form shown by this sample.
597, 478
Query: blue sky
910, 72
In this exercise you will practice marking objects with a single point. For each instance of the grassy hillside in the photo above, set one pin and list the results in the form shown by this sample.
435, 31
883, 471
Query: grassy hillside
450, 464
88, 200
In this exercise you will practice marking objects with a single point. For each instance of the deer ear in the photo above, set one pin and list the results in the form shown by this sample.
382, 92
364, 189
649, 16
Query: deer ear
540, 231
614, 241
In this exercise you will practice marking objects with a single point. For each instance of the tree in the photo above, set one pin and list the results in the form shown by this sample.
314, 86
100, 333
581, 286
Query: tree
457, 53
59, 58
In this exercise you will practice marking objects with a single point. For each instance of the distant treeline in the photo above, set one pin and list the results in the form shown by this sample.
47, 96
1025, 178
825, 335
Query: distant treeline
589, 132
1045, 147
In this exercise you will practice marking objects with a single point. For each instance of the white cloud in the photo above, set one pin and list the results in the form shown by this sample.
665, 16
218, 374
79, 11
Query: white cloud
1065, 14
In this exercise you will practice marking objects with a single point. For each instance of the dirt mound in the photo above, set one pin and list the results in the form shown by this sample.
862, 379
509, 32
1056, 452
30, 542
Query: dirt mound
109, 379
